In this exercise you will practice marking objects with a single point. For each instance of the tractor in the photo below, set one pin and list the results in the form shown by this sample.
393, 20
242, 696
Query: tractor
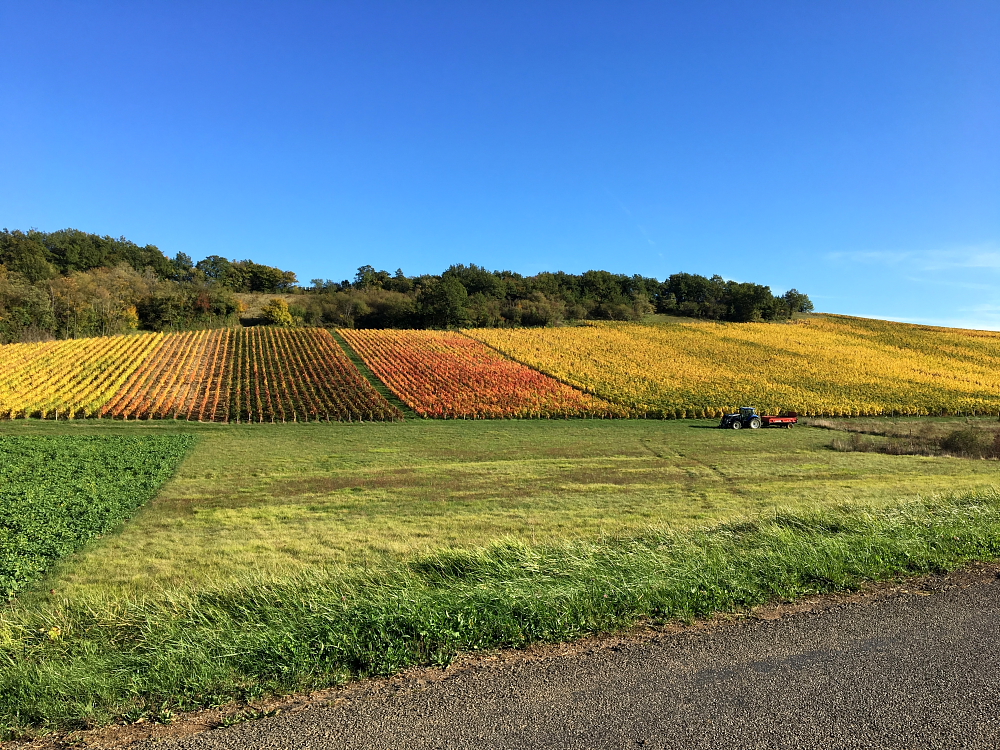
748, 417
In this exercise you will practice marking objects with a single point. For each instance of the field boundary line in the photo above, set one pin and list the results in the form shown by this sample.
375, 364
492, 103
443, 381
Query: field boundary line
634, 413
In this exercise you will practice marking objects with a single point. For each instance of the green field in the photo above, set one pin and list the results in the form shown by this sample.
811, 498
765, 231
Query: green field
59, 491
284, 557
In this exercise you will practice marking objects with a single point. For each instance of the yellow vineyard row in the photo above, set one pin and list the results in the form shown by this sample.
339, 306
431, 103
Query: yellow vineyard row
66, 379
823, 365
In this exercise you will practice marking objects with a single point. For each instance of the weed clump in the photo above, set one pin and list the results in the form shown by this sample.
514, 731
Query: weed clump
909, 439
857, 442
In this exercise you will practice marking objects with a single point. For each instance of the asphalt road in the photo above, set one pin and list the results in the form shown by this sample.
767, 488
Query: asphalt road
902, 669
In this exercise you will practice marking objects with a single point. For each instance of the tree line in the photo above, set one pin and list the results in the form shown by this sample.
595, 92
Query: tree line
70, 284
474, 296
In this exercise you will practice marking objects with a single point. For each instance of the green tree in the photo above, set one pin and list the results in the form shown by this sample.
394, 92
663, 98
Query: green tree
25, 310
748, 302
797, 302
444, 304
368, 278
26, 256
183, 268
215, 267
477, 280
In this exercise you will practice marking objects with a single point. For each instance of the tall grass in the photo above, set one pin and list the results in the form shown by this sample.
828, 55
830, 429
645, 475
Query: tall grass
85, 662
973, 439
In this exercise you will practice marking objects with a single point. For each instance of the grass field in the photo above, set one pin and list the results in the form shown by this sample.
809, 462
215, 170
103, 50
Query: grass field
279, 500
285, 557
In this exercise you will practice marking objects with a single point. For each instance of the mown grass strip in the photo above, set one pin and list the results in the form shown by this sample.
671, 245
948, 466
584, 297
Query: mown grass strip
80, 663
372, 378
56, 492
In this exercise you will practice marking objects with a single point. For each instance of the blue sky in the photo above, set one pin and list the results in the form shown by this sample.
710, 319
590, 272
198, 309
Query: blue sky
849, 149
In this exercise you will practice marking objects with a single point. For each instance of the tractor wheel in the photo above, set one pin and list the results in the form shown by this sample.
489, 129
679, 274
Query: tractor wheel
737, 424
754, 423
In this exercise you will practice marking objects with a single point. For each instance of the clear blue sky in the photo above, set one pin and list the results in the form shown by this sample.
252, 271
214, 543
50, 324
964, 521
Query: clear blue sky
849, 149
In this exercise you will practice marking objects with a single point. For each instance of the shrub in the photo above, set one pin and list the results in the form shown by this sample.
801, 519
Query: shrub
972, 443
276, 313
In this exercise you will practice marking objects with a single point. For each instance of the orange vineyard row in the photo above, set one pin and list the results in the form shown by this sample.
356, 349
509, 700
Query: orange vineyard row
242, 375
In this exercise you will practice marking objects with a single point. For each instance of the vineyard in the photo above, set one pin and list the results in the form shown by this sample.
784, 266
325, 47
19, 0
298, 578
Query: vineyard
278, 374
176, 381
449, 375
242, 375
825, 365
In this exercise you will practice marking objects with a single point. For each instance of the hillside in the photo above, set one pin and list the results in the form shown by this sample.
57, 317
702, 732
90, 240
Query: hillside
820, 365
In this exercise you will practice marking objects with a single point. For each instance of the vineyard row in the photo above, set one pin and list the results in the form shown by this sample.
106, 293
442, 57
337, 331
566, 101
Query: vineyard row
230, 375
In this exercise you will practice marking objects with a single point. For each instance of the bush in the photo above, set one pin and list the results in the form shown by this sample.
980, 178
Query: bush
972, 443
276, 313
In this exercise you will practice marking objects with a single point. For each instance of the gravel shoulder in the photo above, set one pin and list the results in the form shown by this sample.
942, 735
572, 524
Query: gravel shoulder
909, 664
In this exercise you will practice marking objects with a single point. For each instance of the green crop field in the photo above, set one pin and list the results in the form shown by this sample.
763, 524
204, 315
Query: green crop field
57, 492
288, 557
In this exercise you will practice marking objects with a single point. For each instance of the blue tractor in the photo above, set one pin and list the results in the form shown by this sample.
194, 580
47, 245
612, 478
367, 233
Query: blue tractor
746, 417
